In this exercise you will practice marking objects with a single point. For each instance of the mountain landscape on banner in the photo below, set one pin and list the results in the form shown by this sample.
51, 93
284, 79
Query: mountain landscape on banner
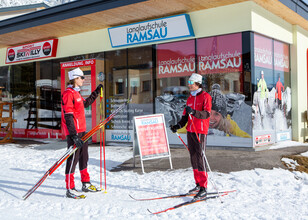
12, 3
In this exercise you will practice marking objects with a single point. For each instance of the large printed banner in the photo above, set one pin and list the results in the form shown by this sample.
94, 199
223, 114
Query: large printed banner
263, 52
220, 54
176, 59
151, 134
281, 56
151, 31
32, 51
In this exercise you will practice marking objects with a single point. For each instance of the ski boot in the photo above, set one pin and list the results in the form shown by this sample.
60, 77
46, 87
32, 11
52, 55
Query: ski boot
74, 194
195, 189
201, 194
88, 187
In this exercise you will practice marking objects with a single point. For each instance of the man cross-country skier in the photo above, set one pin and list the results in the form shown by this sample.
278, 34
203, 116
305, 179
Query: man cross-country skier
74, 125
198, 109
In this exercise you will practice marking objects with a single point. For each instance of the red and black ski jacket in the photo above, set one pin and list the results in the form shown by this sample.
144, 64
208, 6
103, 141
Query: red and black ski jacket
202, 104
73, 113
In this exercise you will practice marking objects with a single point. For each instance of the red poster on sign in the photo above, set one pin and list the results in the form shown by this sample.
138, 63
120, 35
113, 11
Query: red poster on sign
263, 52
281, 56
220, 54
151, 140
151, 135
176, 59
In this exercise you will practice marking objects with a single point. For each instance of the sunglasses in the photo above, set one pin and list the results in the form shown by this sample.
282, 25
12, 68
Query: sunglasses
190, 82
82, 77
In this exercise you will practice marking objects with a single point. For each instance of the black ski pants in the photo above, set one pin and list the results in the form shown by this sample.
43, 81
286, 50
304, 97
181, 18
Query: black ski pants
195, 150
81, 156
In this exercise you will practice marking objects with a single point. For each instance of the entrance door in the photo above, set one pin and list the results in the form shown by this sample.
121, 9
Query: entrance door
92, 68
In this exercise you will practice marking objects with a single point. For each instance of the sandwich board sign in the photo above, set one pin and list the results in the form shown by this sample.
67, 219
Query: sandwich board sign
151, 138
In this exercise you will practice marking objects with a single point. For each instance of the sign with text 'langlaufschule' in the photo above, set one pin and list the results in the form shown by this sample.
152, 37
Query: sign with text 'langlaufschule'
150, 31
32, 51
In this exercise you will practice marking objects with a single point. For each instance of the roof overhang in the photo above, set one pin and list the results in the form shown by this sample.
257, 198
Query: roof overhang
89, 15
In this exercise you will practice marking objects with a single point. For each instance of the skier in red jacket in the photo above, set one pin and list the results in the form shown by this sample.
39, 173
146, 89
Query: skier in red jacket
74, 125
279, 90
196, 113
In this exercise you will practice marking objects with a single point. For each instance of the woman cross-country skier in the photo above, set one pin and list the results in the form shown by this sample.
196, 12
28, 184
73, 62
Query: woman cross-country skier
74, 125
196, 113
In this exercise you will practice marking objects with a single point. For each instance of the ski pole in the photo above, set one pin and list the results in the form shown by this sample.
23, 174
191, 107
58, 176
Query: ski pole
104, 147
100, 141
182, 140
72, 149
205, 158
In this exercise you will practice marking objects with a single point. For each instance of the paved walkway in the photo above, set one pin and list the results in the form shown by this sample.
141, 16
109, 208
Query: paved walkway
224, 161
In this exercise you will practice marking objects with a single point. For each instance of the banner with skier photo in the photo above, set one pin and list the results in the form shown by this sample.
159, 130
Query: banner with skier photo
220, 64
271, 105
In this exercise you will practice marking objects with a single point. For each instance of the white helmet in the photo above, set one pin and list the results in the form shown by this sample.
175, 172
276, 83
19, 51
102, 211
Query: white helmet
196, 78
75, 73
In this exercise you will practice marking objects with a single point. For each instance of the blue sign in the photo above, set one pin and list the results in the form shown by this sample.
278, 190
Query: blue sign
150, 31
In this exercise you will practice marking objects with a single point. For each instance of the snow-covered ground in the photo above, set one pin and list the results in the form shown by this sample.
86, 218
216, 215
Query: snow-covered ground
261, 194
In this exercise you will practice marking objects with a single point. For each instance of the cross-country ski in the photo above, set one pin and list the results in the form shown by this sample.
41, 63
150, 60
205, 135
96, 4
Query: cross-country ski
179, 195
190, 202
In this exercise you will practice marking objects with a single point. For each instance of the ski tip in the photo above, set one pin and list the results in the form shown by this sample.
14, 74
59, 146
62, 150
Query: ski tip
105, 191
131, 197
150, 211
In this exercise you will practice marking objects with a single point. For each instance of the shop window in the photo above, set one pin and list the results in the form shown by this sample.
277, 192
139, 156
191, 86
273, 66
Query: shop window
23, 92
128, 71
182, 81
6, 82
146, 86
272, 92
220, 61
119, 88
175, 63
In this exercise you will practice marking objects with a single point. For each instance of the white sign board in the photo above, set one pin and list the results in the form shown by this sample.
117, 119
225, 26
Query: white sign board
151, 31
151, 137
32, 51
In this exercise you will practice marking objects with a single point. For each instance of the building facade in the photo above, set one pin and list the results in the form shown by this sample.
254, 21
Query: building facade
252, 55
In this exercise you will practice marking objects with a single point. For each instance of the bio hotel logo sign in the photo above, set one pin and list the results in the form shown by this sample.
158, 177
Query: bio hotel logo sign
37, 50
151, 31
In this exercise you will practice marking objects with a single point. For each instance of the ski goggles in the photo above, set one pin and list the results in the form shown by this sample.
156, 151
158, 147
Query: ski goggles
190, 82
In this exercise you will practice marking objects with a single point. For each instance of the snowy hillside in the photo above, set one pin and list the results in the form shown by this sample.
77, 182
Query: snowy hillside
10, 3
261, 194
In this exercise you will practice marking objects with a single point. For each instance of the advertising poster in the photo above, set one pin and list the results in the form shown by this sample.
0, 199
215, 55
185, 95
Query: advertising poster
220, 54
32, 51
220, 61
120, 128
176, 59
271, 105
151, 135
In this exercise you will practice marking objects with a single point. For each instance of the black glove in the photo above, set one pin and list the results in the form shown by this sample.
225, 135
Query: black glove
189, 110
98, 88
77, 141
174, 128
